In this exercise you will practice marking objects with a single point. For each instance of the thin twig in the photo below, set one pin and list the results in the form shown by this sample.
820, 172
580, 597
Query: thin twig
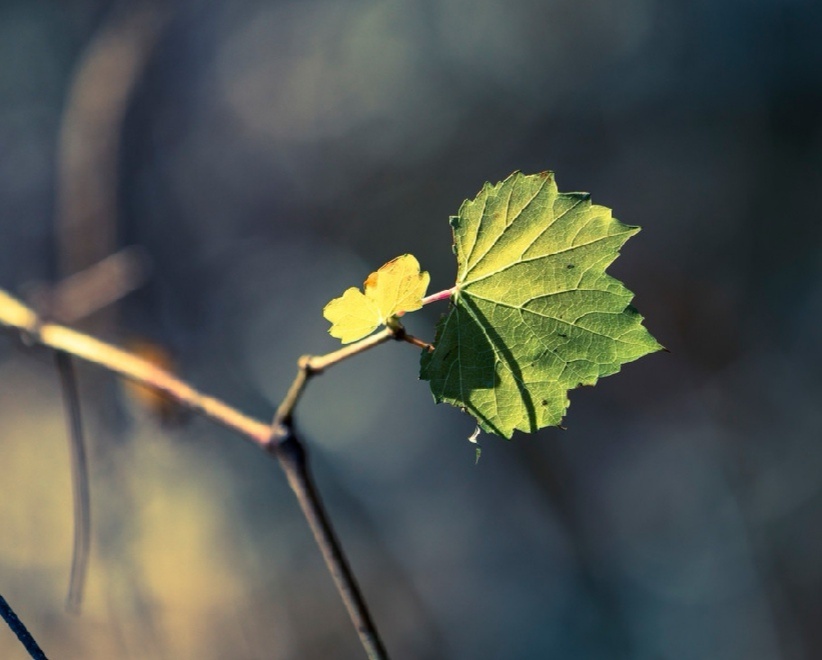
91, 124
416, 341
21, 631
277, 438
19, 317
80, 481
311, 365
294, 461
289, 450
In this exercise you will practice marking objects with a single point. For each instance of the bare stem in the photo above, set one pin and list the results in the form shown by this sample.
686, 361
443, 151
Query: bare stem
311, 365
416, 341
277, 438
17, 316
19, 629
294, 460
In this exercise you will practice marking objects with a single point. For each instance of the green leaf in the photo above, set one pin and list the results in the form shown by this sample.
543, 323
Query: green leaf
533, 313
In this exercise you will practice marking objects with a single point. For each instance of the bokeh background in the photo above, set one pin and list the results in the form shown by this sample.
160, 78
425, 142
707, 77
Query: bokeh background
266, 156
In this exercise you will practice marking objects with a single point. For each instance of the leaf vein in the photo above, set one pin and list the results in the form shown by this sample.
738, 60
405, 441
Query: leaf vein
530, 259
513, 220
573, 324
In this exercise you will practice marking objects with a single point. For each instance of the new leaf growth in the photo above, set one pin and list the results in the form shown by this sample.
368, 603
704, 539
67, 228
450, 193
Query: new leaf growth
396, 288
533, 313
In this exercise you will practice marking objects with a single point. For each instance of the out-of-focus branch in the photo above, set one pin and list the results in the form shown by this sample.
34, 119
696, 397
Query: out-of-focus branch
17, 316
91, 131
71, 300
92, 289
79, 469
88, 168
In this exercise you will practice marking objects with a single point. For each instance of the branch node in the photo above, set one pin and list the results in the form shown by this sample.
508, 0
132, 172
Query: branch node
399, 333
279, 432
396, 328
290, 450
307, 363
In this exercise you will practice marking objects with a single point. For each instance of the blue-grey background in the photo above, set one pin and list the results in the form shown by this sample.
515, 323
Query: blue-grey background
270, 155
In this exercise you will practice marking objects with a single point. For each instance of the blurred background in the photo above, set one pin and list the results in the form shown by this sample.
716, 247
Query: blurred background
268, 155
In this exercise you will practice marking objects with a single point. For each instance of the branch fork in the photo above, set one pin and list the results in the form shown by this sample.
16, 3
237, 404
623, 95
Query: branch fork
277, 438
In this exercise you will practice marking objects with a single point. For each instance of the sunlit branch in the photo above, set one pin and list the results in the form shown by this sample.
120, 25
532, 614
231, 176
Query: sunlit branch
277, 438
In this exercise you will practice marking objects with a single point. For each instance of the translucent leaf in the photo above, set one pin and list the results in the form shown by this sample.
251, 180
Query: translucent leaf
533, 313
397, 287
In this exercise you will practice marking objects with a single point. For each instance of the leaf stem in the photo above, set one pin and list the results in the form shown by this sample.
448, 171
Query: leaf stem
440, 295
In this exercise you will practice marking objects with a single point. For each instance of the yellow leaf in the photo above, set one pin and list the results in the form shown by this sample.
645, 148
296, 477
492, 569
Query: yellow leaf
352, 316
397, 287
